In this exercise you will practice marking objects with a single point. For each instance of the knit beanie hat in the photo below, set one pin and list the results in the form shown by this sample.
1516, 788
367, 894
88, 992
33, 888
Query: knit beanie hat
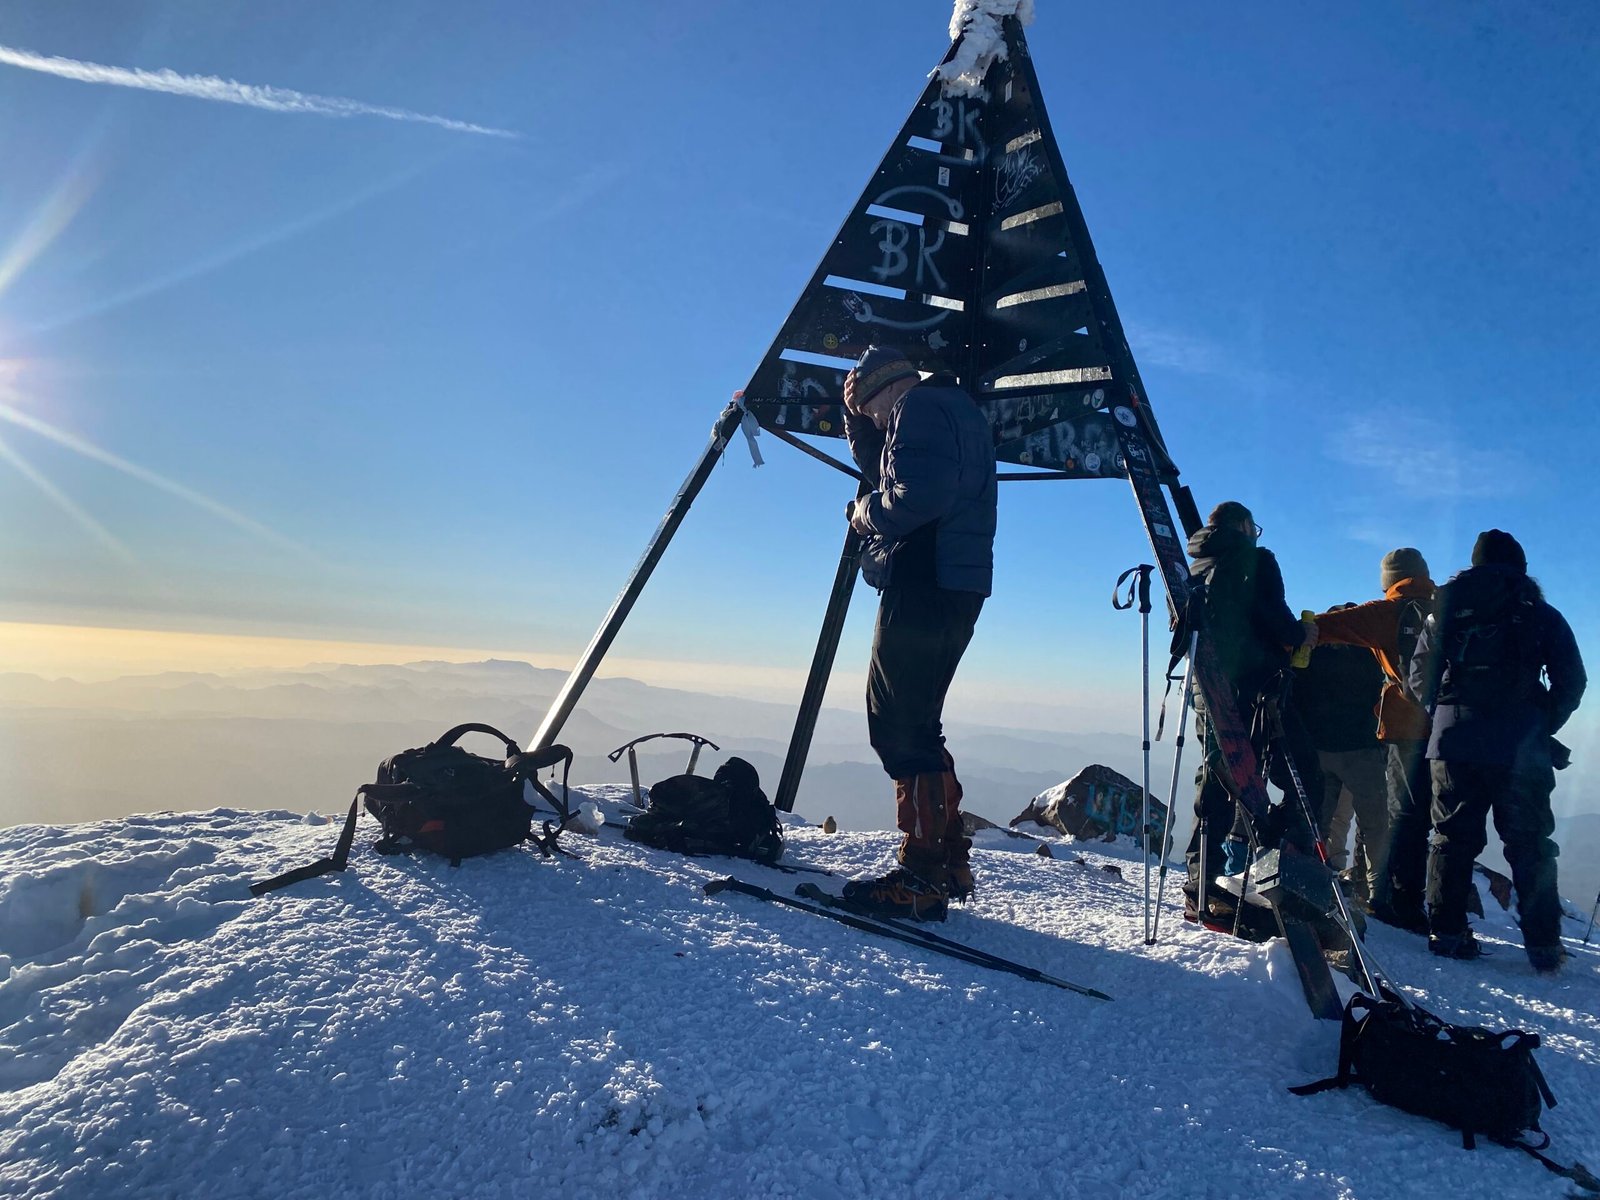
877, 369
1404, 563
1498, 546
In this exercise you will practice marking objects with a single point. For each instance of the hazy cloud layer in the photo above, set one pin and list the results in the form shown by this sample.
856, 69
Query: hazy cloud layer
1192, 355
228, 91
1426, 459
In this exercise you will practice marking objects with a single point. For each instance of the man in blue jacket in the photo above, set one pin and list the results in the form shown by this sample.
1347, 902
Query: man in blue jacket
1478, 667
927, 454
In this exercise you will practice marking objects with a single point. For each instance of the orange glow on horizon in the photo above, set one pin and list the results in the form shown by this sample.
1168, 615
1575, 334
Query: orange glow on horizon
90, 653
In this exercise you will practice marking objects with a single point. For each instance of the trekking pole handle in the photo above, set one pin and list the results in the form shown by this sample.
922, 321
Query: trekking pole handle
1142, 584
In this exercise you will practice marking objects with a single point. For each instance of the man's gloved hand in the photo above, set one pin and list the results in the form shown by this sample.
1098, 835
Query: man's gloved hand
856, 511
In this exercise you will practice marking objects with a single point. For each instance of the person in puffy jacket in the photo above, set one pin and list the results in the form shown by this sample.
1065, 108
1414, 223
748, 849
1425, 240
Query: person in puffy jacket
1389, 628
1501, 673
927, 517
1253, 634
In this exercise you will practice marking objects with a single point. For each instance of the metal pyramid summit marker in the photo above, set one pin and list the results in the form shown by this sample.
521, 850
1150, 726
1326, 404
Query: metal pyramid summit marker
968, 250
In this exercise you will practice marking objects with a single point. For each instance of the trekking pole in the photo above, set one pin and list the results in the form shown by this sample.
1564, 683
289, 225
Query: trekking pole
1142, 583
1153, 928
1592, 913
1345, 918
1244, 884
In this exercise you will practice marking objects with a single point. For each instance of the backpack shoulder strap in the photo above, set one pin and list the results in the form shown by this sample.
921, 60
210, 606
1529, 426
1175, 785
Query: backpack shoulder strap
1348, 1028
1577, 1172
323, 866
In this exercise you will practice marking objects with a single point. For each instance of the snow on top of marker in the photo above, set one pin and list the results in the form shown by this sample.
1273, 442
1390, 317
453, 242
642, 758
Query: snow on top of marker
979, 24
599, 1027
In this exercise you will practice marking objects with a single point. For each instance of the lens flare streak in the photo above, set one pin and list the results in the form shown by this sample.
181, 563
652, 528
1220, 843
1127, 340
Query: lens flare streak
144, 475
29, 472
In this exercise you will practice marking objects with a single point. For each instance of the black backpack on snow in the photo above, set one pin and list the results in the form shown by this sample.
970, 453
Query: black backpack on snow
449, 801
726, 814
1474, 1080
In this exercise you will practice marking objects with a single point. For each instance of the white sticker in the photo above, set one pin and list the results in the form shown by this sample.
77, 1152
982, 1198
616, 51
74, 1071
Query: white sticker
1125, 416
1008, 90
1091, 462
944, 176
1160, 529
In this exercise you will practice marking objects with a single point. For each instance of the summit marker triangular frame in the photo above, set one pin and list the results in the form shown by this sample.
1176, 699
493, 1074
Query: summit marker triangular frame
968, 249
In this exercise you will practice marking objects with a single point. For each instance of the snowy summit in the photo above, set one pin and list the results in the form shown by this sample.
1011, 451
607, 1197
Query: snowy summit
600, 1027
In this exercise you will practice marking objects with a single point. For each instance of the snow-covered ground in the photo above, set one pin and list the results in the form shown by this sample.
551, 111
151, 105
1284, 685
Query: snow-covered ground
522, 1027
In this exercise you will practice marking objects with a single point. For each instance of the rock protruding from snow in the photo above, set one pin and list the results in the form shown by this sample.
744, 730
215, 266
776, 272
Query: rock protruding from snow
1095, 804
980, 26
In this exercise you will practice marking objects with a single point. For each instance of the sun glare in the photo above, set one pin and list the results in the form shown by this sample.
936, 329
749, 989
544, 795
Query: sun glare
15, 416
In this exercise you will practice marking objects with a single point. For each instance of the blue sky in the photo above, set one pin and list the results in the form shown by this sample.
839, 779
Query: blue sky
438, 386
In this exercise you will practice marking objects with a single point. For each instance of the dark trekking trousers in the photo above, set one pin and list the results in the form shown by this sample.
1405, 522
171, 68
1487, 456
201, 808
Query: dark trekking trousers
1410, 798
1464, 794
921, 634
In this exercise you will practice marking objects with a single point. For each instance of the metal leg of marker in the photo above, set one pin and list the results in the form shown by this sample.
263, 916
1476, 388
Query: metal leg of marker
1187, 700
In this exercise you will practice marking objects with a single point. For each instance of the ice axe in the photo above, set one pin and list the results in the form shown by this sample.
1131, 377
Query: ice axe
633, 756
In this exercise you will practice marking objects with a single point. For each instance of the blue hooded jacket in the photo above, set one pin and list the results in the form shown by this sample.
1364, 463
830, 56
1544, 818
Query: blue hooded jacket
934, 492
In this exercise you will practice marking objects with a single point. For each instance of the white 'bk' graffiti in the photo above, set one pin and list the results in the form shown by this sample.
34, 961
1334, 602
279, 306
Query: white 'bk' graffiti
958, 119
896, 237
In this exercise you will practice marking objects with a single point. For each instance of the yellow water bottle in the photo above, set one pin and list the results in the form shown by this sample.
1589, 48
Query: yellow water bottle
1302, 656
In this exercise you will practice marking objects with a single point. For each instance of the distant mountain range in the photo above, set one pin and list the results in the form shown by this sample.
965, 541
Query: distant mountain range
304, 739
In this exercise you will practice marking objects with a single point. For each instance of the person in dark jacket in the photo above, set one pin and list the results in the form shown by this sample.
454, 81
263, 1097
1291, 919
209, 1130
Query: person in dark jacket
927, 454
1337, 697
1254, 634
1478, 667
1389, 627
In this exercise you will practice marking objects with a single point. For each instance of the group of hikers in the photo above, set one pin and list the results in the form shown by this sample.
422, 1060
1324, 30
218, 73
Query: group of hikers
1417, 716
1420, 715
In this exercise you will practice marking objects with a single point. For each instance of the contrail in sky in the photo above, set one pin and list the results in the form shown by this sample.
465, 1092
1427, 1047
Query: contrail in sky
209, 87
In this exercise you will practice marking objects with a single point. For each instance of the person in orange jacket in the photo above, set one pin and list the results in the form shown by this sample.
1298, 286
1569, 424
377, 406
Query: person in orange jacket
1389, 628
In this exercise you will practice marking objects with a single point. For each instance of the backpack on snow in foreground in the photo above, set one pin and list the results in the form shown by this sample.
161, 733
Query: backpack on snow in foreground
449, 801
726, 814
1474, 1080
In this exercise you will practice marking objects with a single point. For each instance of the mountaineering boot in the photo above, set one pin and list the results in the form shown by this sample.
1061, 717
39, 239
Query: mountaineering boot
1455, 945
919, 888
902, 893
1407, 916
957, 845
1546, 960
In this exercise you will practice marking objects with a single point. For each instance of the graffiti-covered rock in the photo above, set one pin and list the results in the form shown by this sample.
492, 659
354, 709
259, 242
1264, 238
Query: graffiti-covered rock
1096, 803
